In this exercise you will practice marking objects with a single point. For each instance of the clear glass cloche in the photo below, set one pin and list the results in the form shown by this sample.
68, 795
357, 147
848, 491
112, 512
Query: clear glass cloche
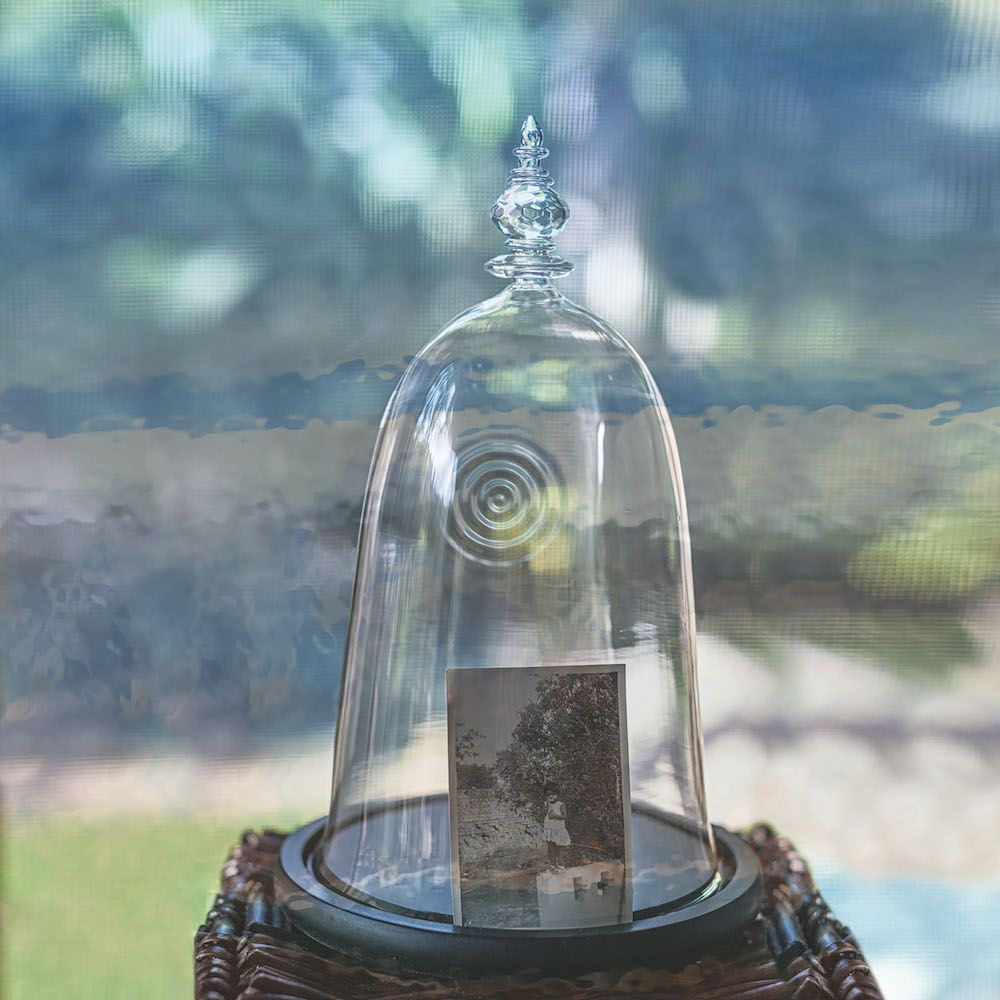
518, 742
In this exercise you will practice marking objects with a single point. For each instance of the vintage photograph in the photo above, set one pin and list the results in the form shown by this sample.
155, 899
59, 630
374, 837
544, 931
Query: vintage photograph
539, 794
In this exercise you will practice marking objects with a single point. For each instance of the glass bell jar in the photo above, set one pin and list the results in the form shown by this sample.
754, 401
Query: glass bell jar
518, 745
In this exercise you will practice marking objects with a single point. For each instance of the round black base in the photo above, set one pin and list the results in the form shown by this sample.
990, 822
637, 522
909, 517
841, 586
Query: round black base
388, 940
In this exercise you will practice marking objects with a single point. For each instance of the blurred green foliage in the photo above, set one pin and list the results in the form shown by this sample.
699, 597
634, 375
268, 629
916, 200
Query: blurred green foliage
227, 224
101, 908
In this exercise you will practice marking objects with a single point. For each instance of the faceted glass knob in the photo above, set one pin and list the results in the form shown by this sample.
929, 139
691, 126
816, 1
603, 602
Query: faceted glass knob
529, 213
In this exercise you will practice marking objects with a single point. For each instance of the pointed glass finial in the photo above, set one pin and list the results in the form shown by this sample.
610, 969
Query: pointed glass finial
529, 213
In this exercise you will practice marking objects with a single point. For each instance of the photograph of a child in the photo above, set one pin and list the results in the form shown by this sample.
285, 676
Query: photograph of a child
539, 796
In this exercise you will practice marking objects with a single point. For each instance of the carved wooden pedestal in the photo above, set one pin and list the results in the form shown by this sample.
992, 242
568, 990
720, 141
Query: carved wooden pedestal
795, 949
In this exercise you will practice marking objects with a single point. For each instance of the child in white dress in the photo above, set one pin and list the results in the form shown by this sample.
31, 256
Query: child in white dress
554, 831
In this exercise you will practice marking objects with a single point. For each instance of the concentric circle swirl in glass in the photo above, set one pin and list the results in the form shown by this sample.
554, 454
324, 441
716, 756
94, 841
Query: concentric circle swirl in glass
509, 496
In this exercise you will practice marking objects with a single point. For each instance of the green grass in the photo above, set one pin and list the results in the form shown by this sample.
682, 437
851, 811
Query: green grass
108, 909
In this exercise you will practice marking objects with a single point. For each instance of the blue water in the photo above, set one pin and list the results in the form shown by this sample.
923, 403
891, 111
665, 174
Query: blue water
356, 391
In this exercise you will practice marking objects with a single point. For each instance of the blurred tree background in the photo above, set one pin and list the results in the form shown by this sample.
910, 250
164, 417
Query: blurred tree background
226, 224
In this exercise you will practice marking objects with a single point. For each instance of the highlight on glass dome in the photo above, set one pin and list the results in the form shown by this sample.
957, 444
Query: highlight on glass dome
539, 793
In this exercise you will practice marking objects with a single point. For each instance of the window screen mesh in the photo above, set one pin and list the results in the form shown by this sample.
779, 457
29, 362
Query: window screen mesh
226, 225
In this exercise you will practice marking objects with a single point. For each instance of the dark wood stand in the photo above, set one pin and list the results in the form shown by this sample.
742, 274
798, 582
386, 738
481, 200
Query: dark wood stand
795, 949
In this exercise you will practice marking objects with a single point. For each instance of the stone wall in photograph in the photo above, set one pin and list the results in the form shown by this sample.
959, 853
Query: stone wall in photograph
494, 833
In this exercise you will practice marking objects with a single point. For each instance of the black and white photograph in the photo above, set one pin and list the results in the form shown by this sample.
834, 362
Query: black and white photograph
539, 796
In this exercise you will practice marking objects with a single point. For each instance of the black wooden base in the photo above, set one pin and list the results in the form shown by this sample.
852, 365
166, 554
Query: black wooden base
792, 948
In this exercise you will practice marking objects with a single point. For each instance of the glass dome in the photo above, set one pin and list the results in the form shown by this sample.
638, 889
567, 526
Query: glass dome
519, 706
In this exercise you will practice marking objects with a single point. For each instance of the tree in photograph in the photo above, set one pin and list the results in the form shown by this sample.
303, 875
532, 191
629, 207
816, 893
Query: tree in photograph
569, 736
468, 772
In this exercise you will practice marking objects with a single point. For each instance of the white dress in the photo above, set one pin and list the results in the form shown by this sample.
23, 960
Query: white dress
555, 830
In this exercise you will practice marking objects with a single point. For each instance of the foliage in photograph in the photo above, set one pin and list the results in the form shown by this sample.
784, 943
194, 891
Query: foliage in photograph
569, 737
